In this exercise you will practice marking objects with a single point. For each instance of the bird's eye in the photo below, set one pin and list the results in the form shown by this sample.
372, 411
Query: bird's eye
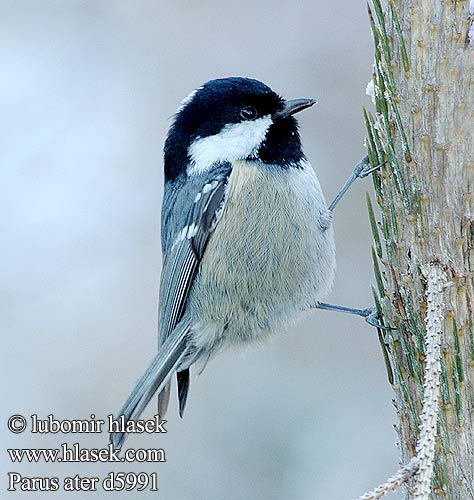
248, 113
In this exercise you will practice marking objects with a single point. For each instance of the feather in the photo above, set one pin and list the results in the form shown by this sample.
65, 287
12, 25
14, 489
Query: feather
180, 265
183, 389
155, 377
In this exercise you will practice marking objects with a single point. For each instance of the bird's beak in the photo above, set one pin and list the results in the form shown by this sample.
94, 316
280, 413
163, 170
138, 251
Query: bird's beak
293, 106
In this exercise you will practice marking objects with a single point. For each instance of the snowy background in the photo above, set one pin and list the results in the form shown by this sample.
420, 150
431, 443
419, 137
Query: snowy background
86, 96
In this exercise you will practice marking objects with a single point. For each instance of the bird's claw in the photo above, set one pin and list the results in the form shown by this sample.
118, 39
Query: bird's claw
364, 168
372, 317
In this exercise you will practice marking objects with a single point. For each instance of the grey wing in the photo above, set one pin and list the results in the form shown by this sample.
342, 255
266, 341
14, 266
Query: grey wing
183, 251
183, 246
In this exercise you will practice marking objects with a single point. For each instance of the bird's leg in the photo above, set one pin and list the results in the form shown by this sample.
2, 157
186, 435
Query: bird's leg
361, 170
369, 313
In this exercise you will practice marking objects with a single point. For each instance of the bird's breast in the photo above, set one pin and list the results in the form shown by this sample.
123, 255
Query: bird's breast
268, 256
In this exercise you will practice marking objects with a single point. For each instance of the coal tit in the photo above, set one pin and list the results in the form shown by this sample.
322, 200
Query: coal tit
246, 233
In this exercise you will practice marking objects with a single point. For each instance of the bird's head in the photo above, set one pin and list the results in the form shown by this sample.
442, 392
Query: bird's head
231, 119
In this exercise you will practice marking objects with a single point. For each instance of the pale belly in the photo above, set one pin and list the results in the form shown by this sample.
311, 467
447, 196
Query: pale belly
267, 260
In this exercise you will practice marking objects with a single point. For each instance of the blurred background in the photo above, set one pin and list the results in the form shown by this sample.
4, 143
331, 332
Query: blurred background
86, 96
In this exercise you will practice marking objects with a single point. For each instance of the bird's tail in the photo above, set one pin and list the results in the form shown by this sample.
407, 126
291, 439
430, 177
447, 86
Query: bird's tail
155, 378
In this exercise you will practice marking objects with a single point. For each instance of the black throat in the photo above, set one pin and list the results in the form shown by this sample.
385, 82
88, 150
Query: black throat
282, 145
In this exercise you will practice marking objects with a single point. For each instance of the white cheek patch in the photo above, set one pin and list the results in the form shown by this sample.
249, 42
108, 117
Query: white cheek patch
235, 141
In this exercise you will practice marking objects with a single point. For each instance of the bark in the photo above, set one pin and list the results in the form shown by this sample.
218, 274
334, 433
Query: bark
424, 129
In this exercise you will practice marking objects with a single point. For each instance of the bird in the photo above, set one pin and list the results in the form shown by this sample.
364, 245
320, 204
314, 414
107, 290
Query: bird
247, 237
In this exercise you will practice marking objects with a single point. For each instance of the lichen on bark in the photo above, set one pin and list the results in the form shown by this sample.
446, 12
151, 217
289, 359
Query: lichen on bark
423, 128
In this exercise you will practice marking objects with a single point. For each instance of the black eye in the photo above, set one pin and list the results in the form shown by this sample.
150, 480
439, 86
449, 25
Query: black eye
248, 113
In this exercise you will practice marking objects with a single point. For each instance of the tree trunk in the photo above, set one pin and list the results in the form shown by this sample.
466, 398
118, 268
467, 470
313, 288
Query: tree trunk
424, 129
